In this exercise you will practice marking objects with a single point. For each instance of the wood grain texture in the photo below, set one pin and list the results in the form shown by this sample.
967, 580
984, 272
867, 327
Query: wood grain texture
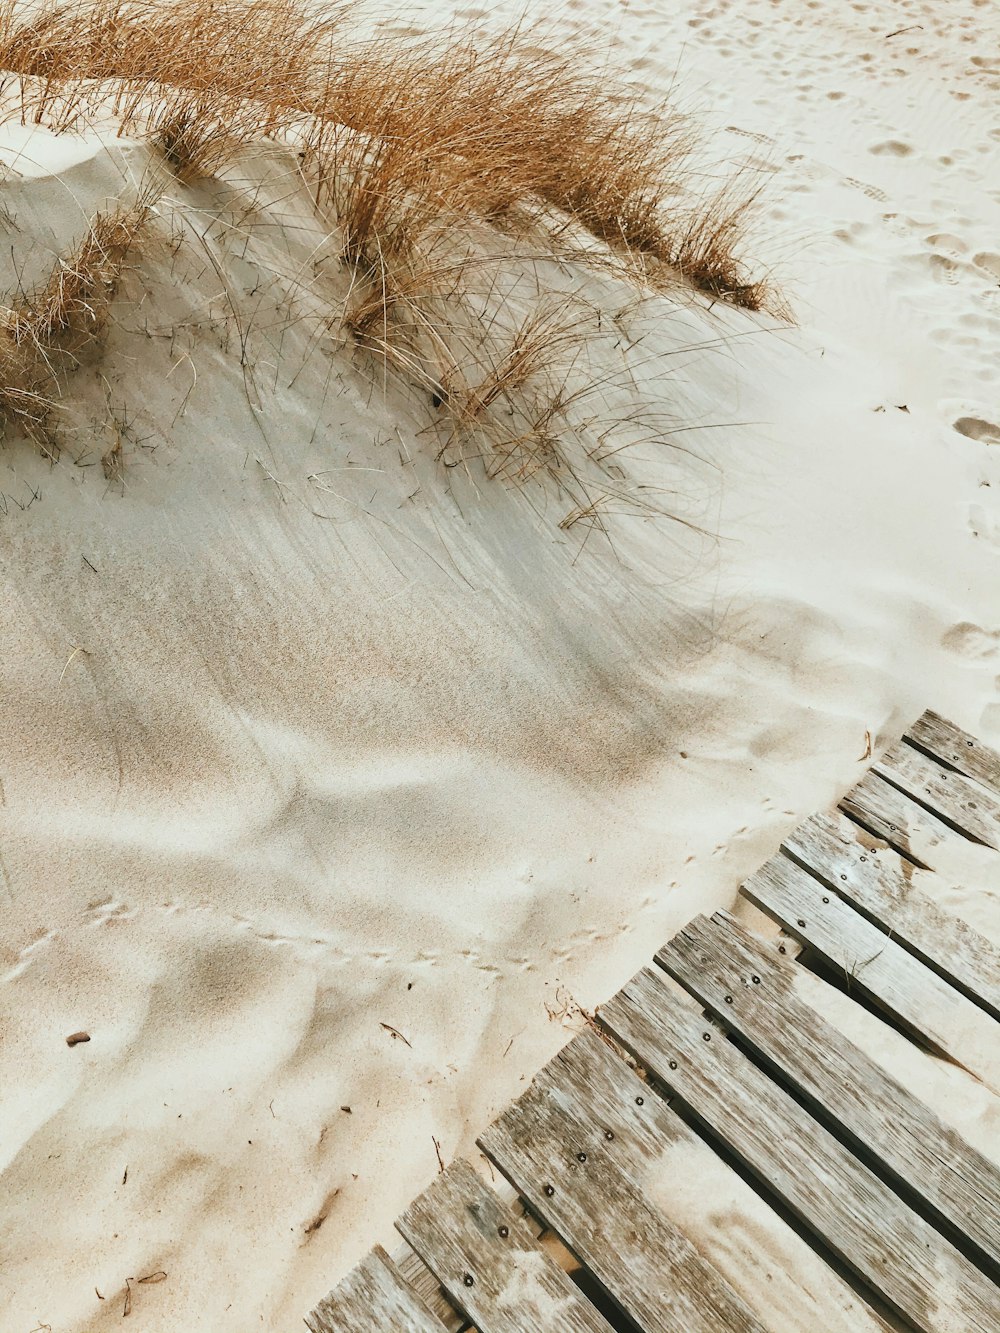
553, 1145
872, 965
373, 1298
855, 1214
957, 800
879, 883
956, 749
750, 988
489, 1262
890, 815
416, 1274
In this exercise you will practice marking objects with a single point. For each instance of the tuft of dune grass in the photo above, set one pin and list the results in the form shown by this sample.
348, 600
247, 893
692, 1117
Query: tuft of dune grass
398, 132
447, 169
44, 334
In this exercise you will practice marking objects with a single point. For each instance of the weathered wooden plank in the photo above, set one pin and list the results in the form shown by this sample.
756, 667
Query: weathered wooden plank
373, 1298
955, 748
873, 965
553, 1145
890, 815
622, 1121
416, 1274
879, 883
749, 986
488, 1261
921, 1275
954, 798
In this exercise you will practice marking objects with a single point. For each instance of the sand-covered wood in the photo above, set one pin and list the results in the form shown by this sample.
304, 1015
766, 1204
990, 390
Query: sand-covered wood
843, 1203
373, 1298
957, 800
552, 1144
750, 987
868, 963
489, 1261
955, 748
880, 884
892, 816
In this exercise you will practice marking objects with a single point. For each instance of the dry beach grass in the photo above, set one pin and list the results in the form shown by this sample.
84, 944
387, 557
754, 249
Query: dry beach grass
446, 168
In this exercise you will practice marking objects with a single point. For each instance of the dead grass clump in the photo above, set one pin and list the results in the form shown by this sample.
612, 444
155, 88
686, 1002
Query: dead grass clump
496, 128
397, 135
273, 52
706, 249
43, 334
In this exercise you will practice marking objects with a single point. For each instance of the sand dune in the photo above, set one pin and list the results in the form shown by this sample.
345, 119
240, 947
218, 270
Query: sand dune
332, 780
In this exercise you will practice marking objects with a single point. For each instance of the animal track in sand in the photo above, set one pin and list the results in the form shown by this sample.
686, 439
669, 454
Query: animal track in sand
27, 955
109, 911
976, 428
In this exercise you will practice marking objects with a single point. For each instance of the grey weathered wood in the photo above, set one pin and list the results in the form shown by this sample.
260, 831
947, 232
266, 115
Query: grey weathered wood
879, 883
373, 1298
957, 800
551, 1144
890, 815
920, 1275
750, 988
955, 748
873, 965
489, 1262
416, 1274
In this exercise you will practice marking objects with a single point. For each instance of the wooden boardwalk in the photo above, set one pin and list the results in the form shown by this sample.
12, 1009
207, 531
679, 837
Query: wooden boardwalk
734, 1061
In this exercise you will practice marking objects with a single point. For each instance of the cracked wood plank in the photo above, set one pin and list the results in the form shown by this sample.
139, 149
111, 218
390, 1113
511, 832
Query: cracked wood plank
373, 1298
489, 1262
750, 988
880, 884
902, 1257
871, 964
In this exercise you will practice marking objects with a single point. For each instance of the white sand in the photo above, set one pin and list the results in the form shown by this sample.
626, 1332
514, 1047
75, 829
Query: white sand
291, 759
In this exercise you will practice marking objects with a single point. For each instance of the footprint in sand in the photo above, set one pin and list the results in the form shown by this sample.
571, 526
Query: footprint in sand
972, 641
891, 148
989, 263
984, 524
944, 240
976, 428
872, 191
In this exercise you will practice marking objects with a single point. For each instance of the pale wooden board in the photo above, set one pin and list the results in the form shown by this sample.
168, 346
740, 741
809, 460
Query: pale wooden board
749, 987
373, 1298
920, 1275
893, 817
416, 1274
879, 883
954, 798
489, 1262
553, 1138
955, 748
871, 964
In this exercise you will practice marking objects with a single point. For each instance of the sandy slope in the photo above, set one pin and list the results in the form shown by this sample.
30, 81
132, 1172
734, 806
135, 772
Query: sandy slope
304, 743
